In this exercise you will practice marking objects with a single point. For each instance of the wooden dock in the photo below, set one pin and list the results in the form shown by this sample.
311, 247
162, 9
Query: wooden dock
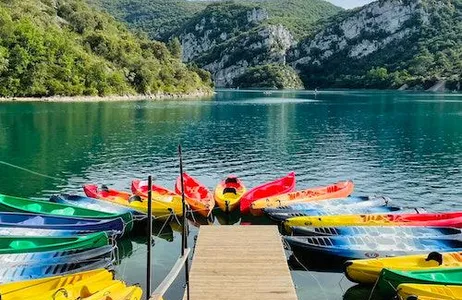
240, 262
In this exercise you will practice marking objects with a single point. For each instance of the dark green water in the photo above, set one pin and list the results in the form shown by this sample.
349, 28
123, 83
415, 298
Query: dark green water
406, 146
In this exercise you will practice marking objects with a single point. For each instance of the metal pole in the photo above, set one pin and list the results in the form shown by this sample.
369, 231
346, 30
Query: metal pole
149, 231
184, 233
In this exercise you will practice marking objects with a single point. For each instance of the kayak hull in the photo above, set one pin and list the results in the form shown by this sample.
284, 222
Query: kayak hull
367, 271
429, 292
198, 196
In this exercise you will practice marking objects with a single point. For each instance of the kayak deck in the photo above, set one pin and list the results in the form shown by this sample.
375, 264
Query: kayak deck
240, 262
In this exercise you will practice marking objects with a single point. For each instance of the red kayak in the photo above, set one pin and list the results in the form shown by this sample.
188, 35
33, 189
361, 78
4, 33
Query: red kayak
140, 188
274, 188
198, 196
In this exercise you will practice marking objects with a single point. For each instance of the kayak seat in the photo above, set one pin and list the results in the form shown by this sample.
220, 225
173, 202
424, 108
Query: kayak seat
18, 245
38, 220
35, 207
231, 180
68, 211
230, 190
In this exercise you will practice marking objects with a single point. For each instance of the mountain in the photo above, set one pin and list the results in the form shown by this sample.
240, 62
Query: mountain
159, 18
65, 47
386, 44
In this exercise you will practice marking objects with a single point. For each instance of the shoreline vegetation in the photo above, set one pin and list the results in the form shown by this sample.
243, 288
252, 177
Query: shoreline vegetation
115, 98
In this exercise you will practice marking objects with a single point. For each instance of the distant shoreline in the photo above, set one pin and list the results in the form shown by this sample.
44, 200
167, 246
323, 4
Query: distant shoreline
113, 98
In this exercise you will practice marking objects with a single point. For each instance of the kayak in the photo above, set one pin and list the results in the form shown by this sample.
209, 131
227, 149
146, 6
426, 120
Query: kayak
280, 186
429, 292
198, 196
49, 225
377, 231
16, 204
426, 219
160, 209
10, 245
367, 271
360, 202
228, 193
159, 194
129, 293
337, 190
106, 291
12, 274
362, 247
48, 286
280, 217
389, 280
55, 256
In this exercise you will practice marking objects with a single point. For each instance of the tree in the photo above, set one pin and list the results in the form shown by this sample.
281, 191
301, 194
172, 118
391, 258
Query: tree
174, 46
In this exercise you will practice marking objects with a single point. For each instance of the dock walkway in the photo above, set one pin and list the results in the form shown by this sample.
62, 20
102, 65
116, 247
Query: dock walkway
240, 262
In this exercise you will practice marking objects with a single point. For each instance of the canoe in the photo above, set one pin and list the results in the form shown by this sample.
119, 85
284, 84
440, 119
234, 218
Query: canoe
277, 187
18, 273
429, 292
389, 280
367, 271
198, 196
362, 247
228, 193
28, 224
280, 217
160, 209
22, 205
55, 256
426, 219
338, 190
10, 245
359, 201
48, 286
376, 231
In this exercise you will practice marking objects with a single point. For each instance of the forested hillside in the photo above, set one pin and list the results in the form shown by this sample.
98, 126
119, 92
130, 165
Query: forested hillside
65, 47
160, 17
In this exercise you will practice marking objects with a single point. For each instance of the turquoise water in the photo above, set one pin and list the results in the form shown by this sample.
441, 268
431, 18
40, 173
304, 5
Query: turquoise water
404, 145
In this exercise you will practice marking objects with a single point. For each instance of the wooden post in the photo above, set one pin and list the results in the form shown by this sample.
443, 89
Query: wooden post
184, 234
149, 232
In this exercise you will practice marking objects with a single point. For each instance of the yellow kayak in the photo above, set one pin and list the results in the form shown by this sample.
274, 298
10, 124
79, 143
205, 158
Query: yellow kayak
429, 292
162, 204
129, 293
113, 287
43, 288
228, 193
367, 271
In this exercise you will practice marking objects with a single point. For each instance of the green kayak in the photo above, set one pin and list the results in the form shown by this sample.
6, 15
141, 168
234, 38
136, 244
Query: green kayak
13, 245
390, 279
16, 204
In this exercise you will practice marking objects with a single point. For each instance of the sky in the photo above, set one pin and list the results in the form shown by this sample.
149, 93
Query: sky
349, 3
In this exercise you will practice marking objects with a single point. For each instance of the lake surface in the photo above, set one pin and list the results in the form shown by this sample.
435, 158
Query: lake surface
407, 146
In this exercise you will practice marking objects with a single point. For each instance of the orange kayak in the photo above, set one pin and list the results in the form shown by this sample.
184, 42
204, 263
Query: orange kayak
198, 196
140, 188
338, 190
228, 193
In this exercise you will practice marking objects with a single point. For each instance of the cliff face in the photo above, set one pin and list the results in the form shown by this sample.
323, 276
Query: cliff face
228, 39
363, 32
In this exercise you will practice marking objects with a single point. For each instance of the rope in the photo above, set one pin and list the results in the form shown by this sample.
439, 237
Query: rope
30, 171
373, 288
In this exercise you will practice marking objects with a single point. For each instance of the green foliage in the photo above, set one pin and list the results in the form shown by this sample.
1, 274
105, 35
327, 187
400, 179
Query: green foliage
160, 18
273, 76
430, 54
68, 48
174, 46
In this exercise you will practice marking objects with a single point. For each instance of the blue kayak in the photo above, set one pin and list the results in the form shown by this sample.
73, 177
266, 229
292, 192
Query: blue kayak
377, 231
9, 220
95, 204
282, 216
55, 257
362, 247
361, 201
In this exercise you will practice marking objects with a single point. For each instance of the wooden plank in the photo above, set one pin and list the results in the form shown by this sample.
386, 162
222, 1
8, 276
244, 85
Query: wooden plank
164, 285
240, 262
